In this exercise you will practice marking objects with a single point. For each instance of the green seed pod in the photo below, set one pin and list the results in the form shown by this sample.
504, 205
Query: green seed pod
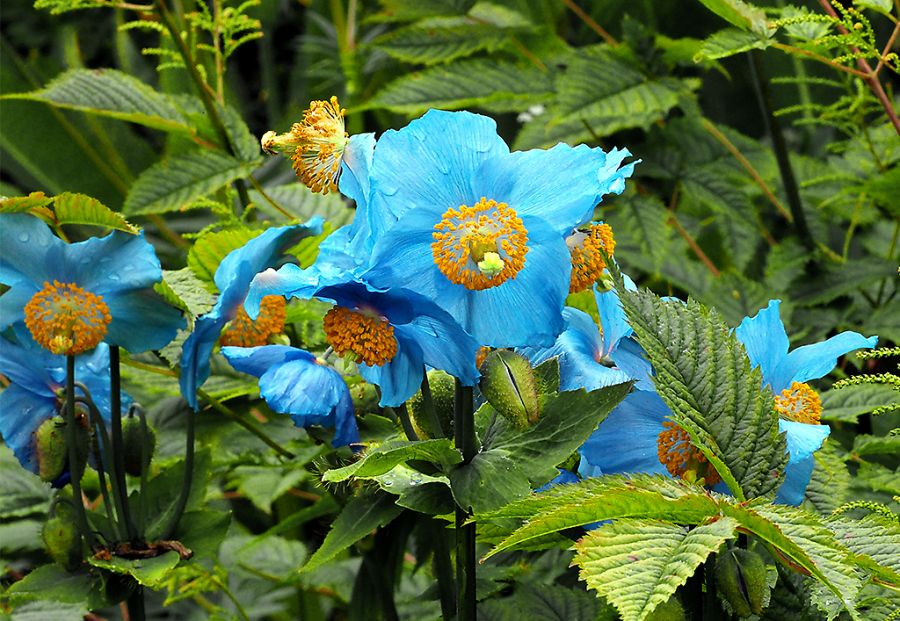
741, 578
442, 389
670, 610
50, 445
508, 383
365, 398
62, 541
133, 441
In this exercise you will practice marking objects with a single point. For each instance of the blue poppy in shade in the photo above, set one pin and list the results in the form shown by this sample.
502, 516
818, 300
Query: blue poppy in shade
36, 389
479, 229
392, 334
232, 278
798, 404
592, 358
293, 383
73, 296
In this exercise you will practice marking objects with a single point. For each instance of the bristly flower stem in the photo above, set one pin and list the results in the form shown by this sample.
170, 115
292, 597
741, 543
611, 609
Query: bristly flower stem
117, 473
464, 437
187, 480
75, 470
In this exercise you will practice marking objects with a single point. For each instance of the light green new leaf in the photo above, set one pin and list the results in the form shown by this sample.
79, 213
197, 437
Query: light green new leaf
149, 572
210, 248
72, 208
175, 182
739, 13
638, 564
729, 42
360, 516
419, 492
183, 289
382, 458
21, 204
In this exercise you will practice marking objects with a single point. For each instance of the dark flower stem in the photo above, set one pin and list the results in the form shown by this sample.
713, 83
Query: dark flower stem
118, 444
135, 604
443, 570
75, 469
100, 450
403, 414
187, 480
145, 462
464, 437
428, 407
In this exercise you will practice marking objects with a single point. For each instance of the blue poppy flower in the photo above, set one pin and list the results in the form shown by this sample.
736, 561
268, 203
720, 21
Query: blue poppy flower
232, 278
787, 372
36, 388
392, 333
479, 229
72, 296
293, 383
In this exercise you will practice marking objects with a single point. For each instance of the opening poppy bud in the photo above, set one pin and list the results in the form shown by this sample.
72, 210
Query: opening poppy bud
51, 449
441, 385
508, 384
137, 444
741, 578
61, 538
670, 610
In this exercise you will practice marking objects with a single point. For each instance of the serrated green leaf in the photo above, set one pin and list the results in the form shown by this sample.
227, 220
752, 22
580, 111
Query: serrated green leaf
407, 10
491, 480
147, 571
360, 516
440, 40
47, 610
882, 6
640, 226
21, 492
383, 457
497, 86
849, 403
876, 539
176, 181
210, 248
54, 583
302, 203
183, 289
72, 208
419, 492
21, 204
739, 13
637, 564
829, 486
729, 42
838, 280
111, 93
876, 445
879, 478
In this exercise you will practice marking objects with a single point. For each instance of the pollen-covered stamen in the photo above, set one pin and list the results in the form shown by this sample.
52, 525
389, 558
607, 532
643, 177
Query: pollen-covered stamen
799, 403
315, 145
363, 333
480, 355
245, 332
66, 319
679, 456
480, 247
588, 262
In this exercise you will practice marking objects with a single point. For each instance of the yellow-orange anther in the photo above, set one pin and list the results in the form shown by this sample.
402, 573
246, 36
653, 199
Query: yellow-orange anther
245, 332
480, 247
678, 455
799, 403
480, 355
587, 261
366, 335
66, 319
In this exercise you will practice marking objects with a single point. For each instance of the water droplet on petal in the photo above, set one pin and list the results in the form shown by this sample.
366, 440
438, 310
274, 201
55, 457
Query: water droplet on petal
23, 237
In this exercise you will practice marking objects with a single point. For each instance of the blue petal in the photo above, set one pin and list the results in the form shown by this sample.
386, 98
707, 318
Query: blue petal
195, 355
767, 344
293, 281
817, 360
400, 378
141, 321
803, 441
28, 368
632, 360
627, 440
612, 317
564, 476
444, 344
112, 264
355, 164
21, 413
28, 249
257, 360
12, 303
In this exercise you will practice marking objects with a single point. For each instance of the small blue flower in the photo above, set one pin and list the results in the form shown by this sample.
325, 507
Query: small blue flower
232, 278
72, 296
392, 333
787, 372
36, 388
481, 230
293, 383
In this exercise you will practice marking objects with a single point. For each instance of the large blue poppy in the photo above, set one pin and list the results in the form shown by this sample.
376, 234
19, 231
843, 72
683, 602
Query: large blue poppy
786, 372
481, 230
232, 278
118, 271
292, 382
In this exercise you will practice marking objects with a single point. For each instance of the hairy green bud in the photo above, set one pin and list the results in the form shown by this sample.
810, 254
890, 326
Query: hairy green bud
133, 441
670, 610
51, 448
365, 398
508, 383
741, 578
62, 540
442, 391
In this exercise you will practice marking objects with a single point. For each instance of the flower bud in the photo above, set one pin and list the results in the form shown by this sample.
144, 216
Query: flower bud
51, 448
365, 398
61, 538
508, 384
670, 610
133, 443
442, 390
741, 578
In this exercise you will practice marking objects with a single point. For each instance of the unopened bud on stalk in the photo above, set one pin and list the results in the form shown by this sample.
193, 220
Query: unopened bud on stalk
133, 443
51, 448
741, 578
508, 384
61, 538
442, 389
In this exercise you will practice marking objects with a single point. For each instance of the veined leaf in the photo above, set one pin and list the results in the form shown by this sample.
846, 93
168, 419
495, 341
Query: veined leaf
729, 42
849, 403
492, 479
829, 486
183, 289
440, 40
638, 564
174, 182
640, 226
403, 10
875, 539
21, 204
382, 458
739, 13
302, 203
876, 445
497, 86
419, 492
210, 248
21, 491
111, 93
149, 572
72, 208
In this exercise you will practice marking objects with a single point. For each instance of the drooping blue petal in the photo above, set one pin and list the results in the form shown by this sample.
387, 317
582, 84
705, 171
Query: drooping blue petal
400, 378
818, 359
444, 344
28, 248
626, 441
766, 342
110, 265
27, 368
142, 321
195, 356
12, 303
612, 317
632, 360
257, 360
356, 163
803, 441
22, 414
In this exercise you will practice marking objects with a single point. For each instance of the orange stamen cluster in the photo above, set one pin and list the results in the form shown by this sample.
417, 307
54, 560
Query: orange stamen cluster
66, 319
481, 355
588, 262
678, 455
369, 337
465, 235
799, 403
245, 332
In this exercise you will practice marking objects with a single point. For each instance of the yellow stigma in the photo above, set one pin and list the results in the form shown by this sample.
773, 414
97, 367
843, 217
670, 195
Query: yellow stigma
366, 335
587, 261
315, 145
480, 247
799, 403
681, 458
66, 319
245, 332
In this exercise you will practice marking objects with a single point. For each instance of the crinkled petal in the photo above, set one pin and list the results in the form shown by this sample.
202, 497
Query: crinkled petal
257, 360
612, 317
803, 441
400, 378
632, 360
21, 413
12, 303
355, 165
766, 342
141, 320
293, 281
107, 266
444, 344
818, 359
195, 355
28, 249
27, 368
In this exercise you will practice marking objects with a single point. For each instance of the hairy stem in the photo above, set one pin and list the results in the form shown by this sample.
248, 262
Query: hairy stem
187, 480
75, 469
465, 441
118, 442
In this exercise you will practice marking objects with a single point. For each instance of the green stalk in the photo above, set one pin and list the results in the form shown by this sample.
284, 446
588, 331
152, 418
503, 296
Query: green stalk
187, 480
145, 464
117, 470
464, 439
135, 604
97, 423
74, 470
443, 570
402, 413
428, 406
